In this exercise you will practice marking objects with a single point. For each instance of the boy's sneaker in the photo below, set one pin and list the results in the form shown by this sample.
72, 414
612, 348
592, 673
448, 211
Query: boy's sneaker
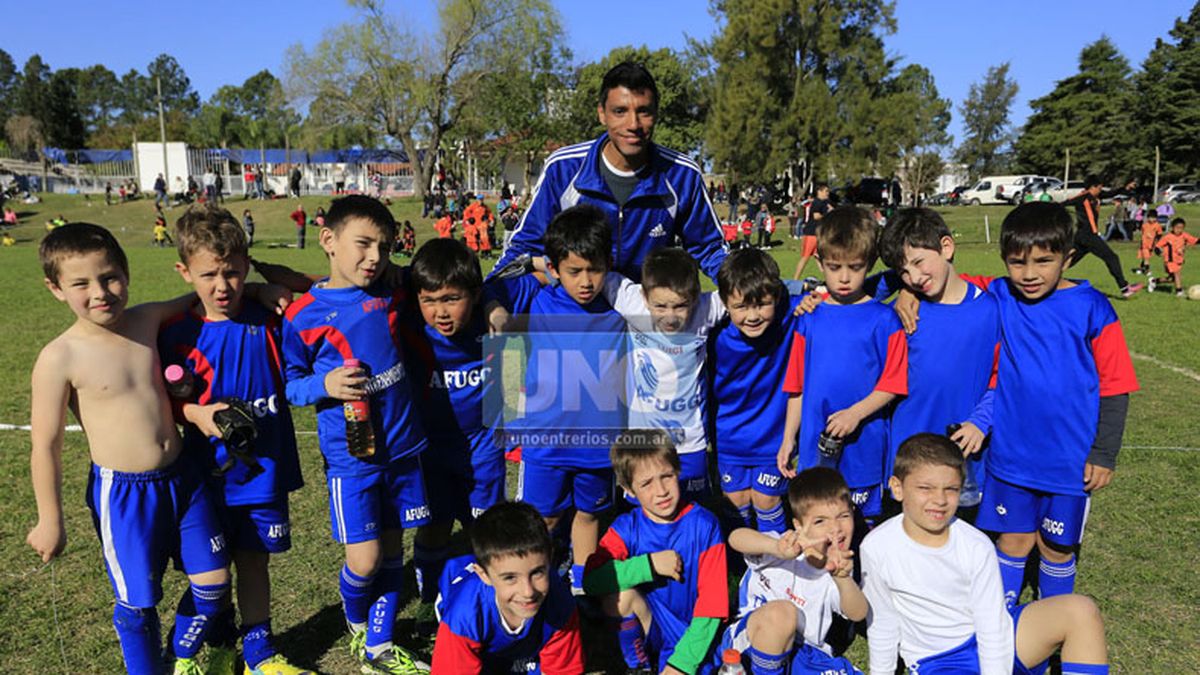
1137, 270
277, 665
358, 646
1129, 290
187, 667
1179, 294
221, 661
1151, 284
395, 661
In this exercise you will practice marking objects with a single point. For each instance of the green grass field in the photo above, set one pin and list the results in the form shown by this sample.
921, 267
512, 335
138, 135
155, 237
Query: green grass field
1138, 561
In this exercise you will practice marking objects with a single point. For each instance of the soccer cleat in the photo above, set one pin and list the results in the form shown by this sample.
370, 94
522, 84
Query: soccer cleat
1151, 284
1129, 290
1179, 294
358, 645
187, 667
395, 661
277, 665
221, 661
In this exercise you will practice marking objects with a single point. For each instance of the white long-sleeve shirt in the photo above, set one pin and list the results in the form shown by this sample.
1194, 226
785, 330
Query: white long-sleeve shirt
925, 601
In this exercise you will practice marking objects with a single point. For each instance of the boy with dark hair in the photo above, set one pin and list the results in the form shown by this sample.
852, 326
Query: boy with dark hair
849, 360
662, 565
1151, 230
669, 322
749, 353
1087, 235
794, 582
935, 594
574, 383
502, 610
952, 359
1045, 459
146, 501
338, 348
233, 351
1173, 244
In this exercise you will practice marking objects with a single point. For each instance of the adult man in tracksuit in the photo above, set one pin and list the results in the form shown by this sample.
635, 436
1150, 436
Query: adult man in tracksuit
1087, 236
651, 194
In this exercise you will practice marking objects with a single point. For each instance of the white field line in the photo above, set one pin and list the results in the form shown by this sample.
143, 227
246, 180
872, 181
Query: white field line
1169, 366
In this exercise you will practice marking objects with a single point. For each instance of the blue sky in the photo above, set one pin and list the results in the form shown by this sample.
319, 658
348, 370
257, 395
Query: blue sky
220, 42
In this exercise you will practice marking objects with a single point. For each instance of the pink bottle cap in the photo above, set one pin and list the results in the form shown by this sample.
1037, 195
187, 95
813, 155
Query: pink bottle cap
351, 363
174, 373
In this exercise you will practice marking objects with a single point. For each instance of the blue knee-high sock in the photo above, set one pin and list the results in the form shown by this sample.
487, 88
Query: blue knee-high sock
771, 520
256, 643
429, 563
747, 513
765, 663
632, 639
577, 579
138, 631
357, 595
1056, 578
1012, 575
1084, 668
198, 610
383, 612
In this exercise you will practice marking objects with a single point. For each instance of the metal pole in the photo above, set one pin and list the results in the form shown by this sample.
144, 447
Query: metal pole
1067, 168
987, 229
162, 127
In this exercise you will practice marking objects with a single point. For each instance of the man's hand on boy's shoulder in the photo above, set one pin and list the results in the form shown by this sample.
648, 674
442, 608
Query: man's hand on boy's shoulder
1096, 477
47, 539
667, 564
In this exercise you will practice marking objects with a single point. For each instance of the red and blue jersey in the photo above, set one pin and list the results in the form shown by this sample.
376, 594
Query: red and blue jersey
474, 638
326, 326
696, 536
840, 354
748, 405
951, 364
239, 357
1058, 357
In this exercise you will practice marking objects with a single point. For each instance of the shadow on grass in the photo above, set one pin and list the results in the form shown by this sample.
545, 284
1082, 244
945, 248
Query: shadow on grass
305, 643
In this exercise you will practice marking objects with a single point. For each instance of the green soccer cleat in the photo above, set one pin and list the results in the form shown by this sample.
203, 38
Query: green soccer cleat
277, 665
358, 646
221, 661
187, 667
395, 661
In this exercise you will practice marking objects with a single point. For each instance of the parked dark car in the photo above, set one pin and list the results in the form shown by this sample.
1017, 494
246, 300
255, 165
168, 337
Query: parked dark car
874, 191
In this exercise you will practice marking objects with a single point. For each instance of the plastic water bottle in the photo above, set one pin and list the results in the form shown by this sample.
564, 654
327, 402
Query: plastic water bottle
179, 382
731, 663
830, 449
360, 437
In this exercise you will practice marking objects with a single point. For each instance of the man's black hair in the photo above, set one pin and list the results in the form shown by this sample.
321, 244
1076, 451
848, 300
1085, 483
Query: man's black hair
445, 262
753, 274
1043, 224
632, 76
509, 528
915, 227
1093, 181
582, 230
360, 206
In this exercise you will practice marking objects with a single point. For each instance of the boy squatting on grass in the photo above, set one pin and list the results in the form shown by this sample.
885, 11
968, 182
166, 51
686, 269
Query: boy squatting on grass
503, 609
795, 581
234, 351
933, 585
147, 503
660, 567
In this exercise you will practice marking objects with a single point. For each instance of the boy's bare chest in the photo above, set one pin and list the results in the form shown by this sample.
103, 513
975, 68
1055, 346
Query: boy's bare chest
114, 367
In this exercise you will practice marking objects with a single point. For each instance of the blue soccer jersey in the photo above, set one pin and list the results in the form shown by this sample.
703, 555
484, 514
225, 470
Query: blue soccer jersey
840, 354
951, 361
474, 638
749, 405
1058, 356
241, 358
696, 536
326, 326
575, 382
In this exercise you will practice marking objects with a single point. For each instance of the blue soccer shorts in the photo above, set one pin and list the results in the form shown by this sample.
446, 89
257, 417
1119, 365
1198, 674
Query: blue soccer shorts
1011, 508
553, 489
264, 528
146, 519
957, 661
868, 499
764, 478
461, 487
693, 478
390, 499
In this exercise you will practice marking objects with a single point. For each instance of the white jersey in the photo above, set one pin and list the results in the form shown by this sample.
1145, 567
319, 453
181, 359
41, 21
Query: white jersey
667, 368
811, 590
925, 601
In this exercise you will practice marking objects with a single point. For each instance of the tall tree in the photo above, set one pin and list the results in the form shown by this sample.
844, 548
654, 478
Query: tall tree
1170, 78
177, 92
62, 122
33, 88
924, 116
99, 96
414, 88
788, 77
1090, 113
985, 120
9, 80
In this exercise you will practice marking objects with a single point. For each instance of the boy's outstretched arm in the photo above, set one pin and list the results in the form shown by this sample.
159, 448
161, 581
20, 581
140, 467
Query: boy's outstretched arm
294, 281
51, 394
